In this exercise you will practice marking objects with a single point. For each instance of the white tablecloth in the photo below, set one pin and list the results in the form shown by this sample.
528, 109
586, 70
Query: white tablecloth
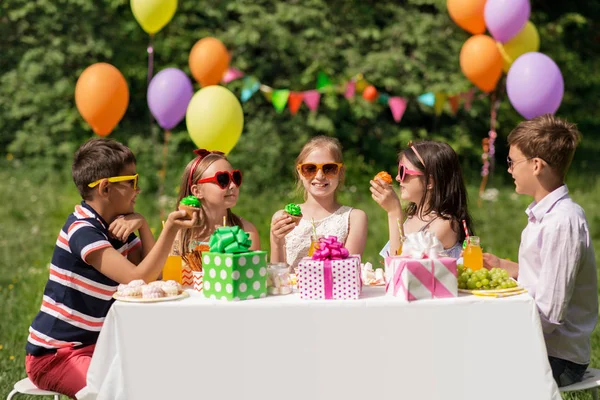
287, 348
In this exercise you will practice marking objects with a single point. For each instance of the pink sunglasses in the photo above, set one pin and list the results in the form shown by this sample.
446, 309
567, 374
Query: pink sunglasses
403, 171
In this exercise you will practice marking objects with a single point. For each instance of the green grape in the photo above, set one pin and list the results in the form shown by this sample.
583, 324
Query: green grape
485, 282
471, 284
478, 284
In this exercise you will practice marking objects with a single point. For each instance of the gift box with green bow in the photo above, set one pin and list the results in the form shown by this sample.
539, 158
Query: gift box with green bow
231, 271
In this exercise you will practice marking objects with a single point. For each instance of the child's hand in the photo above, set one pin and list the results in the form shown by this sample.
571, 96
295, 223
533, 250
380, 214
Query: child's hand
281, 226
490, 261
385, 196
125, 225
178, 220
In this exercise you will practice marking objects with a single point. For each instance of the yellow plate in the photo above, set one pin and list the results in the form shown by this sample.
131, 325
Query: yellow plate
476, 291
182, 295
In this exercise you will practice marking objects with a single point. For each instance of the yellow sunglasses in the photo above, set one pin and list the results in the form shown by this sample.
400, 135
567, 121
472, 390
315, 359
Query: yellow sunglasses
115, 179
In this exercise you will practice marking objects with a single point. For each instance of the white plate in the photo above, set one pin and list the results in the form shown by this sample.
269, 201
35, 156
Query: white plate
141, 300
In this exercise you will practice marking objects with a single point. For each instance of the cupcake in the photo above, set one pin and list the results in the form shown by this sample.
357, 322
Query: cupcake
384, 176
152, 292
189, 204
294, 211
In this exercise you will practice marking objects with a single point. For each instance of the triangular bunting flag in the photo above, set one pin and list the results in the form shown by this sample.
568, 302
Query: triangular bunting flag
427, 98
312, 99
322, 81
267, 92
350, 89
250, 86
398, 106
231, 75
295, 101
440, 102
361, 83
383, 98
468, 96
280, 98
454, 102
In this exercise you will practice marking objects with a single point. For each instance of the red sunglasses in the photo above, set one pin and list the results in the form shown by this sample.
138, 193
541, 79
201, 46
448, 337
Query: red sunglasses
403, 171
224, 178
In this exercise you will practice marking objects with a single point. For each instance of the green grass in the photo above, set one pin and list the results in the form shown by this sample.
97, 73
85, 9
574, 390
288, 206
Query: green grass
33, 212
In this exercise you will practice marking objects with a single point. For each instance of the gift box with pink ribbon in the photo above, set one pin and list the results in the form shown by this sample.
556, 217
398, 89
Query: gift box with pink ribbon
331, 273
422, 271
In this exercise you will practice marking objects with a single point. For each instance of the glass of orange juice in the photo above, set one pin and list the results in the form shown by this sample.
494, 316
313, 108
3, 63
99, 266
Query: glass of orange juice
473, 255
172, 269
314, 244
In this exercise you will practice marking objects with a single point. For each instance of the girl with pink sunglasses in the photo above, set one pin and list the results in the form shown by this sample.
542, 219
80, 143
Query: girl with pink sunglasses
431, 182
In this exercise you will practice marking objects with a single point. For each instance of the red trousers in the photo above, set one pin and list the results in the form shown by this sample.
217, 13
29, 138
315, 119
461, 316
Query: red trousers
64, 371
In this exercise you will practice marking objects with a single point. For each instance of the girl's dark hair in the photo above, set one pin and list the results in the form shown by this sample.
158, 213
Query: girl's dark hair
448, 196
185, 190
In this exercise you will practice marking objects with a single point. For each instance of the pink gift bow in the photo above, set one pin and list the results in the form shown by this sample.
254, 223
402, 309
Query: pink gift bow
329, 249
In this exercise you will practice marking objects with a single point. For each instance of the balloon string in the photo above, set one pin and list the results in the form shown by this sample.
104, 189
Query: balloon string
163, 172
150, 50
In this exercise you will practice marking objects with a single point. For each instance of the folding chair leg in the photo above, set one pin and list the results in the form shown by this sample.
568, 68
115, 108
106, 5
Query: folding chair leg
11, 394
595, 393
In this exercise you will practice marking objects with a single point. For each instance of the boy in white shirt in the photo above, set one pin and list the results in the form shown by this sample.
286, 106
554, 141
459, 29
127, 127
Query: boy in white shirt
556, 258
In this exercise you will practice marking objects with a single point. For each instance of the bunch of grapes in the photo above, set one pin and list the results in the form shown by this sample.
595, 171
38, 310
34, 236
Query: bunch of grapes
483, 279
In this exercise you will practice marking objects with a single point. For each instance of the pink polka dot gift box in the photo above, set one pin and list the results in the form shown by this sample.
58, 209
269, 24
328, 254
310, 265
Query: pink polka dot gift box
330, 274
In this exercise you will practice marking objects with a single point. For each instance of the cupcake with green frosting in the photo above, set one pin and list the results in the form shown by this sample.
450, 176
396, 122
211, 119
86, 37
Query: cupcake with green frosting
294, 211
190, 204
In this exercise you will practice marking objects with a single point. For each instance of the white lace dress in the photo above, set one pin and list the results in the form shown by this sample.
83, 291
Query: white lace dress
297, 242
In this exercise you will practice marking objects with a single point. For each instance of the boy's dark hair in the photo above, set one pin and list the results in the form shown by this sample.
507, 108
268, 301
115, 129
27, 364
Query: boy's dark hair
547, 137
98, 158
448, 195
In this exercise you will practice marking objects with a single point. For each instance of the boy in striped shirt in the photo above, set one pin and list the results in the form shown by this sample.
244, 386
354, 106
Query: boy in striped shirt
96, 249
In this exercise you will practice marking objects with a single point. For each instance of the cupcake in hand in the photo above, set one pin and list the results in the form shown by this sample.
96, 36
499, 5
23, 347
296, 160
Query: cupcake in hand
294, 211
384, 176
190, 204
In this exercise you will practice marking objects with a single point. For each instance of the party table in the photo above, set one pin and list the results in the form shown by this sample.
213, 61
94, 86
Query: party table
282, 347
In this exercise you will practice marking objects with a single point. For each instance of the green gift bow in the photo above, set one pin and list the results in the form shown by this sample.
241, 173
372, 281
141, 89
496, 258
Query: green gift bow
293, 209
229, 239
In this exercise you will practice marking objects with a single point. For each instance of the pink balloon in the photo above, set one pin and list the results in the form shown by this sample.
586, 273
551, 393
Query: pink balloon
505, 18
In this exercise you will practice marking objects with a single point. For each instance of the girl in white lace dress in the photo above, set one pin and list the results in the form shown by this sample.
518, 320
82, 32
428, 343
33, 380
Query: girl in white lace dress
212, 179
320, 173
431, 181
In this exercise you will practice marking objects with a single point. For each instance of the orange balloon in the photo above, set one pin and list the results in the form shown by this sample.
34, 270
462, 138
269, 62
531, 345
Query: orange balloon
481, 62
102, 96
468, 14
208, 61
370, 93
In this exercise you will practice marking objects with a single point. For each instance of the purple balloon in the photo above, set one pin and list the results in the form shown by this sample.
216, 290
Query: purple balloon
169, 94
535, 85
505, 18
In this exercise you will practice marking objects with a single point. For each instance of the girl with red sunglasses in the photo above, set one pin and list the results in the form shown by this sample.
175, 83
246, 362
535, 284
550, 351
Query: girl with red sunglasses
212, 179
431, 182
320, 172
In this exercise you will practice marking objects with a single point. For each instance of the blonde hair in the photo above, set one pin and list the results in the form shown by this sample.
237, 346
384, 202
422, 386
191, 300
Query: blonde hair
186, 190
547, 137
320, 143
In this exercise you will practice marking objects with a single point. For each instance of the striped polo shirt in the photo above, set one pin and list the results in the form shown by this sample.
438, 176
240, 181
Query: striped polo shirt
77, 296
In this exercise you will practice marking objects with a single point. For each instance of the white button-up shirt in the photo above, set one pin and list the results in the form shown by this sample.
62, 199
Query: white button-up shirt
558, 268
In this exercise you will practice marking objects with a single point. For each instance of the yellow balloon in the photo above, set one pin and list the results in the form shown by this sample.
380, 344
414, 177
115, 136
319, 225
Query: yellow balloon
153, 15
526, 41
215, 119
